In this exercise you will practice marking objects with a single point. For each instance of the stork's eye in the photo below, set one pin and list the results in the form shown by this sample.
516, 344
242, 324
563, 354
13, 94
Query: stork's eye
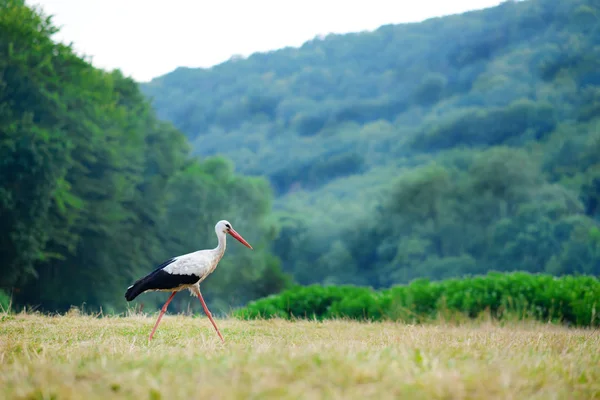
228, 226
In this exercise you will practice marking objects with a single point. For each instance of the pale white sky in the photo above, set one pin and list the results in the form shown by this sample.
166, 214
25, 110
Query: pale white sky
148, 38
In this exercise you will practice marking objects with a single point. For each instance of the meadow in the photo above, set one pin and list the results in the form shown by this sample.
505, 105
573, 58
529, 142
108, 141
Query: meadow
74, 356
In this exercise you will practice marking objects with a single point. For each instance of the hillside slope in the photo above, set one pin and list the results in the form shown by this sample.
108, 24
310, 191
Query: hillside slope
334, 123
346, 103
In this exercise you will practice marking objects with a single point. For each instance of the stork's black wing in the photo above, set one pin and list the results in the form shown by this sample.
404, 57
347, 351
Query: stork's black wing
159, 279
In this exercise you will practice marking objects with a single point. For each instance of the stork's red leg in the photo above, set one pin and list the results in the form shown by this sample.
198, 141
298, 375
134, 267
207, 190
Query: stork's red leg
162, 312
209, 314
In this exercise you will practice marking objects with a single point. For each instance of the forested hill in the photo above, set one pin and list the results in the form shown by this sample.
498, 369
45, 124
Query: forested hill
455, 145
345, 104
95, 191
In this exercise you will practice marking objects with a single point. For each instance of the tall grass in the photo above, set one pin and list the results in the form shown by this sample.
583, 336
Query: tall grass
4, 302
73, 357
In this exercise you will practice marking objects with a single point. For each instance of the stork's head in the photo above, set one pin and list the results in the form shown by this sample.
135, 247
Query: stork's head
224, 226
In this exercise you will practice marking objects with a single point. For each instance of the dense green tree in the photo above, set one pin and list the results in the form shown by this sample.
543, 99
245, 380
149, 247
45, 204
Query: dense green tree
95, 190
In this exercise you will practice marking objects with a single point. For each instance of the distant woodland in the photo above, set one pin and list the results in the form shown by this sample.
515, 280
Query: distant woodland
451, 147
454, 146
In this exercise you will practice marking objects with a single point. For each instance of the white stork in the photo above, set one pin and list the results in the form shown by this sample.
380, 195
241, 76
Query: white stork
186, 272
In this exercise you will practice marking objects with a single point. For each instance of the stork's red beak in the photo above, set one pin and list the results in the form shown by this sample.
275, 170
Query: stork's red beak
236, 235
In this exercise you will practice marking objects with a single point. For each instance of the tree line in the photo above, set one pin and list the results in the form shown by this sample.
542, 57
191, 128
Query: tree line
370, 159
95, 190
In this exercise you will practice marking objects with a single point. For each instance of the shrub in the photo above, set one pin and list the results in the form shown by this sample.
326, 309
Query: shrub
573, 300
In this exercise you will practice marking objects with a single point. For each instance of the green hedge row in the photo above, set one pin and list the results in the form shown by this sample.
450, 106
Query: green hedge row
574, 300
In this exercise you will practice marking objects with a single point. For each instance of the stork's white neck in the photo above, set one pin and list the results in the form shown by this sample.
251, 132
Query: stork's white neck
220, 249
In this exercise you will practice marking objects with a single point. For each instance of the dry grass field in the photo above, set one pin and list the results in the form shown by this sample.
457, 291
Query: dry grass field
82, 357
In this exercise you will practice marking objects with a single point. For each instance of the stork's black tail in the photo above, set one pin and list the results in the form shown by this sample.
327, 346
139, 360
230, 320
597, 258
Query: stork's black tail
155, 280
135, 290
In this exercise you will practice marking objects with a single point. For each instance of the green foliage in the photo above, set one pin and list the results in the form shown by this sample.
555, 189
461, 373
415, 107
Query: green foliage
95, 190
4, 302
572, 300
516, 123
32, 149
435, 150
454, 146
